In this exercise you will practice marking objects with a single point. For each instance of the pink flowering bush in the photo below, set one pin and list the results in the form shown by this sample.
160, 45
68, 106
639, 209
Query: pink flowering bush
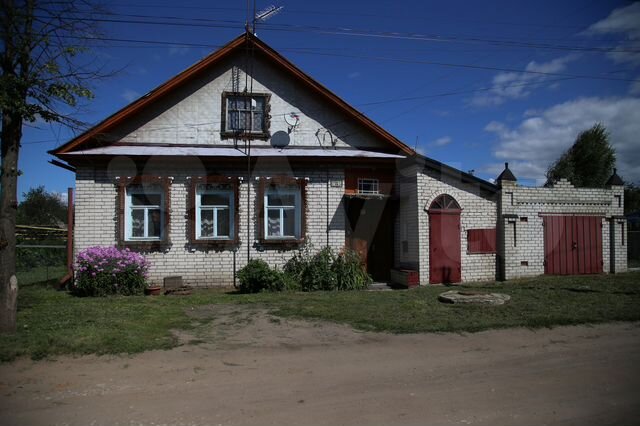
101, 271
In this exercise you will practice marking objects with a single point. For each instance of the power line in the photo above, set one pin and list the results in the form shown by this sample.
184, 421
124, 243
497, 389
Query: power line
334, 12
206, 23
439, 38
378, 58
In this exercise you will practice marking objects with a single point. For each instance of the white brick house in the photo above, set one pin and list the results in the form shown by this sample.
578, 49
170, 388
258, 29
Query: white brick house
244, 156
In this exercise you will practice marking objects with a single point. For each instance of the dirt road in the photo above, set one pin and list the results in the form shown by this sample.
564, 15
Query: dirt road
254, 369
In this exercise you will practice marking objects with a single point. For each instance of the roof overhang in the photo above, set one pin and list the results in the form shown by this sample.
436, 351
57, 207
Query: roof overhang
226, 152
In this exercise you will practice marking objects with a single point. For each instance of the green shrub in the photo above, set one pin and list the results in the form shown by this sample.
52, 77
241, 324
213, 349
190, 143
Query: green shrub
350, 271
257, 276
318, 273
325, 271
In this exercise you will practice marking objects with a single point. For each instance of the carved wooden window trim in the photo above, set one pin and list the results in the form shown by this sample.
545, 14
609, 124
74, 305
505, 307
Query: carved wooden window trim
263, 185
164, 183
191, 213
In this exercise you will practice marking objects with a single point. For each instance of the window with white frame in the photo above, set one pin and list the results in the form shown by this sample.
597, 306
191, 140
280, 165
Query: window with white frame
282, 212
144, 218
214, 212
245, 113
368, 186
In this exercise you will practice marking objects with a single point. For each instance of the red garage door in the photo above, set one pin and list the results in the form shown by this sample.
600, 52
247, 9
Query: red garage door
572, 245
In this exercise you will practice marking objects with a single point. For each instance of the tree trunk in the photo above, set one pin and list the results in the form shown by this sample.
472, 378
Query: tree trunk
11, 135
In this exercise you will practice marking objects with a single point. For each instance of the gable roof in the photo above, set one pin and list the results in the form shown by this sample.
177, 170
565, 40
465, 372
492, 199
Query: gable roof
427, 163
246, 41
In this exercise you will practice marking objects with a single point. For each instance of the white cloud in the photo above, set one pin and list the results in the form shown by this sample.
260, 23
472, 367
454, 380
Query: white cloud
354, 74
542, 136
514, 85
130, 95
624, 21
445, 140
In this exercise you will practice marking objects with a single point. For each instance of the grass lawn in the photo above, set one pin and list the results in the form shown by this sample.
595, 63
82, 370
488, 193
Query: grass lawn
52, 322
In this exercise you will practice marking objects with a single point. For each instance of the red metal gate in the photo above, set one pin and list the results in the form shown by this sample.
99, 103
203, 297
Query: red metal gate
572, 245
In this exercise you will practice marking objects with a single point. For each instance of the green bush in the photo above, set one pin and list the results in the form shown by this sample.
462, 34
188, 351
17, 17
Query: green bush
257, 276
325, 271
318, 273
350, 273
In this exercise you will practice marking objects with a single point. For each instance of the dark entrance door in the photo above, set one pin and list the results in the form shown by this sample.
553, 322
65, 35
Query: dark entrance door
572, 245
444, 241
370, 233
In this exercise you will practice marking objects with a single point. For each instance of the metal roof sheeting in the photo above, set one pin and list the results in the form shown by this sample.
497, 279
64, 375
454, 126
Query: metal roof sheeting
191, 151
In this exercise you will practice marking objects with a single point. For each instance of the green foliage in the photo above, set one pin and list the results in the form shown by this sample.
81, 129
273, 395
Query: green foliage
350, 272
324, 271
257, 276
28, 258
588, 163
46, 65
42, 208
318, 273
126, 283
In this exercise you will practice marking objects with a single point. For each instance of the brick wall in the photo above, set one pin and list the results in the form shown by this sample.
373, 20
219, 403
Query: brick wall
96, 222
478, 211
523, 232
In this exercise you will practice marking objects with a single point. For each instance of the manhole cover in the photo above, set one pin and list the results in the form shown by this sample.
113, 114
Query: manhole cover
474, 297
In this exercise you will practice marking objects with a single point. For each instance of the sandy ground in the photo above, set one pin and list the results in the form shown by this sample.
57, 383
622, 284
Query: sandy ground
255, 369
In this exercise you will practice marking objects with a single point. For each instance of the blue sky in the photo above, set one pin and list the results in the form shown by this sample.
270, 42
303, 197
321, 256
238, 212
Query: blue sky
443, 76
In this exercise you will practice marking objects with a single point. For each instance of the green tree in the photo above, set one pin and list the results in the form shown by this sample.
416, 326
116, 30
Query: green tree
588, 163
40, 207
46, 68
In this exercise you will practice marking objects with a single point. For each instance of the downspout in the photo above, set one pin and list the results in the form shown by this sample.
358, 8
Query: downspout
327, 205
70, 207
248, 198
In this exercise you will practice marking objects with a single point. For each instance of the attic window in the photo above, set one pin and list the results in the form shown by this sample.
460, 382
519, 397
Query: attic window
244, 113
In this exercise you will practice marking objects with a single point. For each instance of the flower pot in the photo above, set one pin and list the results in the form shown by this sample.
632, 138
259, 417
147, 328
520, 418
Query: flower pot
153, 290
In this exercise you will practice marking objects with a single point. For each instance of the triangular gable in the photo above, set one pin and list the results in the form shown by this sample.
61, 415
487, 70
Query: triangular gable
201, 67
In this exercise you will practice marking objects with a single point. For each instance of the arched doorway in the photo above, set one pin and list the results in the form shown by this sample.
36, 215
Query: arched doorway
444, 241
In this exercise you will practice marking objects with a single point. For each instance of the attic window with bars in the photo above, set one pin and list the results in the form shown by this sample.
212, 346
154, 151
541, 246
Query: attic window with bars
244, 113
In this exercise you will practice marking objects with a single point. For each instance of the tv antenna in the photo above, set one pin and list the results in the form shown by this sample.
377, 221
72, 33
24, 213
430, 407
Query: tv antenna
265, 14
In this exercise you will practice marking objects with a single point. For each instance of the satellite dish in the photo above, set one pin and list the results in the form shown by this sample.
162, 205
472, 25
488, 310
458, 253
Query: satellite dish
292, 119
280, 139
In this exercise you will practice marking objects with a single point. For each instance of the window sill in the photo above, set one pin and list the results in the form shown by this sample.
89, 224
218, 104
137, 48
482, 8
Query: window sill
213, 243
241, 135
282, 242
146, 244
